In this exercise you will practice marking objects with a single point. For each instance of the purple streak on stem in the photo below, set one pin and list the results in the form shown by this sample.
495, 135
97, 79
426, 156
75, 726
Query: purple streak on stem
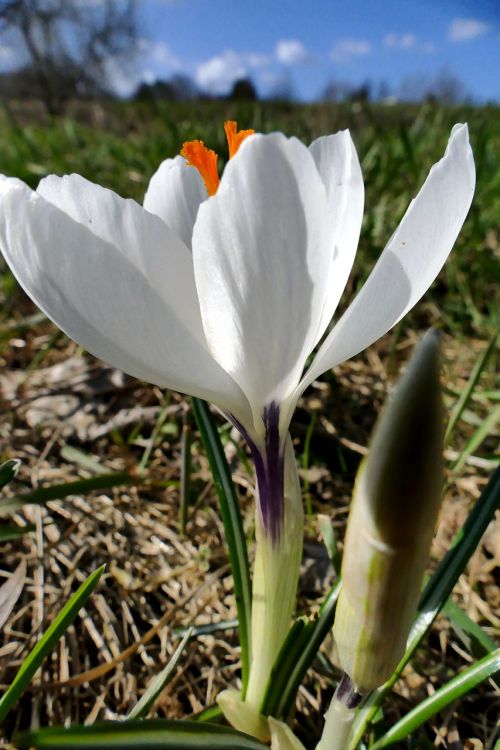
269, 469
347, 694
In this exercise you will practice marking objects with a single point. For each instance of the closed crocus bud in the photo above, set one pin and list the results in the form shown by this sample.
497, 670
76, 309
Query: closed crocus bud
391, 525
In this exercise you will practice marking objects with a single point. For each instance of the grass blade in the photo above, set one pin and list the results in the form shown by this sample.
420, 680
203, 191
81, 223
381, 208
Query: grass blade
436, 593
156, 432
8, 532
233, 527
305, 464
208, 629
10, 592
460, 685
185, 487
75, 456
471, 634
211, 714
296, 656
47, 643
330, 541
17, 327
158, 684
8, 471
158, 734
479, 435
58, 491
466, 394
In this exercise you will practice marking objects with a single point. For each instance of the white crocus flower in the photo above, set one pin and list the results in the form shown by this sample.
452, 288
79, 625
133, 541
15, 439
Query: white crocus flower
225, 297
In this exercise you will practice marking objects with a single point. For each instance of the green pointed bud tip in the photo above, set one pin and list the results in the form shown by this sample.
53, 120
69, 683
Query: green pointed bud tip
393, 515
402, 475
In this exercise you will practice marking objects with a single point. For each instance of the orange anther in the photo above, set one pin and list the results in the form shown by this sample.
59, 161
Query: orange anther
205, 160
234, 137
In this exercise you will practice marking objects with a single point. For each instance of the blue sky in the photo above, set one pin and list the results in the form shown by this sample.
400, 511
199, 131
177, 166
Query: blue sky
311, 42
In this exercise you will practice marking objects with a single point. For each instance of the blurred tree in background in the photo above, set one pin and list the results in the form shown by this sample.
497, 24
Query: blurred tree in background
66, 48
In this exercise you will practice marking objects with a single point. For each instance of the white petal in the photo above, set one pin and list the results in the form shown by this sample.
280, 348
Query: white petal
411, 260
144, 239
174, 194
261, 259
338, 164
103, 297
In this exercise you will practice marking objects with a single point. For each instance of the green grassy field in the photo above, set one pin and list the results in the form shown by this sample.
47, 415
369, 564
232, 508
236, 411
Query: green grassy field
120, 145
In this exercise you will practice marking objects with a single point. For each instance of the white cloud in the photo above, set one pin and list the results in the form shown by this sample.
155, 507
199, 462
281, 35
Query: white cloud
257, 59
11, 57
123, 80
157, 53
408, 42
153, 60
400, 41
291, 52
462, 29
346, 49
217, 74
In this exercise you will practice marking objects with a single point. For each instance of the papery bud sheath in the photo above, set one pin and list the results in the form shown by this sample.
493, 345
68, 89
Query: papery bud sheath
391, 524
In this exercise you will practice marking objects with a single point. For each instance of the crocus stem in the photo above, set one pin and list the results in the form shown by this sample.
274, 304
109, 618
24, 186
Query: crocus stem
340, 716
338, 726
276, 573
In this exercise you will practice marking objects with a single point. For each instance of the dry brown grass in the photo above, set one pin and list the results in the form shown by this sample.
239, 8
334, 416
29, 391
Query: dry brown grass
158, 580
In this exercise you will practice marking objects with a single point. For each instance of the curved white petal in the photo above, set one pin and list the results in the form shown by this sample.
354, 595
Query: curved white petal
174, 194
338, 164
142, 238
261, 259
103, 296
411, 260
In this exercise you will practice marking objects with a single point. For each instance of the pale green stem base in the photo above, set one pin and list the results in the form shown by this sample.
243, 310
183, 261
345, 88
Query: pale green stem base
338, 727
275, 578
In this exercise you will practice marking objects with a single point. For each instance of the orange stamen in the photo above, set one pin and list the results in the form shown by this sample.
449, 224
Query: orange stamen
205, 160
234, 137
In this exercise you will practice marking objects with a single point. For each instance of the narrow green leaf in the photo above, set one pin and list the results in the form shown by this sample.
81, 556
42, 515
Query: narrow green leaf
157, 734
42, 353
14, 329
75, 456
10, 592
330, 541
305, 463
208, 629
436, 593
297, 637
185, 488
469, 388
296, 656
460, 685
58, 491
8, 471
477, 438
160, 421
472, 634
233, 527
9, 531
211, 713
157, 685
47, 643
